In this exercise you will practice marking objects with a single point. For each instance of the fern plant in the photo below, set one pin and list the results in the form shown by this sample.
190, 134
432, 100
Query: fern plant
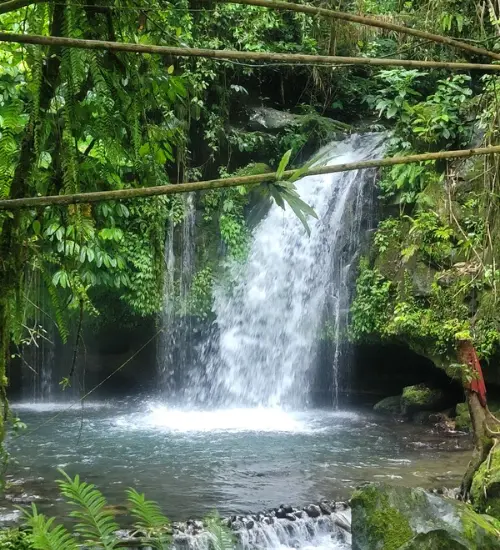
150, 520
96, 524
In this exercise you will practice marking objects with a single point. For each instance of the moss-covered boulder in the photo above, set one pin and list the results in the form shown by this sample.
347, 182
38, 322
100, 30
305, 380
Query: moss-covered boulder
387, 518
389, 405
485, 490
440, 539
421, 398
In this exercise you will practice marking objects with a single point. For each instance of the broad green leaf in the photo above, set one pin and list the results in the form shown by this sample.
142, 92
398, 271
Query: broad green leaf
283, 164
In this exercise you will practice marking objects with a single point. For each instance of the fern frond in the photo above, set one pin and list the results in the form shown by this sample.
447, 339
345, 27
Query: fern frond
147, 512
46, 535
150, 519
221, 536
96, 524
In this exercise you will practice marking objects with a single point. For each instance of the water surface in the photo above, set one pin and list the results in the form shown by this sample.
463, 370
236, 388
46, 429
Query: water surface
235, 460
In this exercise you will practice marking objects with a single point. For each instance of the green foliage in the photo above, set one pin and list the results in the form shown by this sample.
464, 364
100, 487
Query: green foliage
96, 528
96, 524
222, 538
150, 520
370, 309
15, 539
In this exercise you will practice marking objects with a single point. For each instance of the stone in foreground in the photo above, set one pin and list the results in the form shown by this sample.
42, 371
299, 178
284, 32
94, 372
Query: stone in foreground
395, 518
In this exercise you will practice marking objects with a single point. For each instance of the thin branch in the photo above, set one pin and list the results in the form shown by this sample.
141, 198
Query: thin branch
120, 194
11, 5
231, 54
367, 21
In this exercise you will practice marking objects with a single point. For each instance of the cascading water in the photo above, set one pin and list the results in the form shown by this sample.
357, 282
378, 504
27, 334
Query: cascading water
269, 321
175, 343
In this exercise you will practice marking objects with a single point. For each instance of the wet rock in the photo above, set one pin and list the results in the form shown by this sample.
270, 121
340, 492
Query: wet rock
249, 523
341, 506
290, 517
288, 509
420, 398
299, 514
313, 511
281, 513
325, 507
237, 525
388, 517
389, 405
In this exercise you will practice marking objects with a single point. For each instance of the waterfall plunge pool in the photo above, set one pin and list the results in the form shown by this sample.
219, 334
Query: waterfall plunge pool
233, 460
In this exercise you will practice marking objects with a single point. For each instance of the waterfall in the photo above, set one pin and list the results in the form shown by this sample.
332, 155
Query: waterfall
38, 344
175, 342
270, 319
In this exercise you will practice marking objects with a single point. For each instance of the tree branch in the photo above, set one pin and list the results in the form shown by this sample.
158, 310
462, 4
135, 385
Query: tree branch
97, 196
368, 21
238, 55
12, 5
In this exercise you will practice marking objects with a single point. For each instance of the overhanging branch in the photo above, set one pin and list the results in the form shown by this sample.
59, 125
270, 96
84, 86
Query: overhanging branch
15, 204
12, 5
237, 55
367, 21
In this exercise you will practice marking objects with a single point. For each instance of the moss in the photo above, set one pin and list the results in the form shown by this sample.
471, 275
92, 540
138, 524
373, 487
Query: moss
420, 397
485, 490
387, 528
481, 531
253, 169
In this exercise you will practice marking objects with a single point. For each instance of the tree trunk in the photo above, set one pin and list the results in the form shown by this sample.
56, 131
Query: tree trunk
484, 424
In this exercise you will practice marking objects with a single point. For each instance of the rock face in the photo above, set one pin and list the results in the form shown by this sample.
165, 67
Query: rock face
420, 398
398, 518
389, 405
486, 487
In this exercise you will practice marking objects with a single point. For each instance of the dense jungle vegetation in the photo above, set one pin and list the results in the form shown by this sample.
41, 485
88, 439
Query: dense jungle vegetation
76, 121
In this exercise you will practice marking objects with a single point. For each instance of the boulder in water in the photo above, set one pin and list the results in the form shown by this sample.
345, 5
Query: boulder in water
313, 511
325, 507
389, 405
420, 398
387, 518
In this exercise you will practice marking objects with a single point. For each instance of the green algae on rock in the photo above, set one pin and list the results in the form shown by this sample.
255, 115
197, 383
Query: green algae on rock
388, 518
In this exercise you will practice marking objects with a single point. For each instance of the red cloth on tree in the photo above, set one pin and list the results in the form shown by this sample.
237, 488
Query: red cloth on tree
468, 356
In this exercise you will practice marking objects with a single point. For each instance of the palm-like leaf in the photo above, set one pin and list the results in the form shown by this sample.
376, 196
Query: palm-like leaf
222, 537
150, 519
46, 535
95, 524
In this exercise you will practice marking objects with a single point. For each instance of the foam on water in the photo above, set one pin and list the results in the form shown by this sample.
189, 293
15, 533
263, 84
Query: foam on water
259, 419
36, 406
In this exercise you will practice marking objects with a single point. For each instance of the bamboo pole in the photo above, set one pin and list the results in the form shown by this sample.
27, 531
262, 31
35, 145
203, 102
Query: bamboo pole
237, 55
121, 194
11, 5
367, 21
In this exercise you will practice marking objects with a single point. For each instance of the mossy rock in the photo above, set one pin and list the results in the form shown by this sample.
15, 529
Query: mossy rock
440, 539
420, 398
389, 405
485, 490
387, 518
422, 277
